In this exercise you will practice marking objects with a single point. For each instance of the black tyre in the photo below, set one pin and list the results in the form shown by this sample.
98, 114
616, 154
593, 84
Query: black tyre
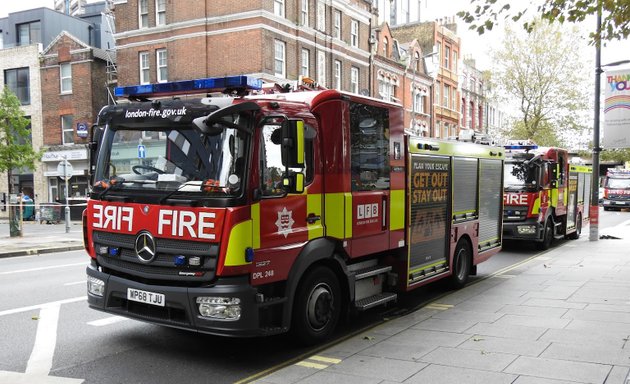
462, 262
317, 306
547, 239
607, 208
578, 229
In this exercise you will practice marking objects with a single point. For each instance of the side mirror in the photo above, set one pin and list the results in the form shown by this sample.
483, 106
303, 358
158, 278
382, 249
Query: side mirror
293, 143
96, 133
293, 183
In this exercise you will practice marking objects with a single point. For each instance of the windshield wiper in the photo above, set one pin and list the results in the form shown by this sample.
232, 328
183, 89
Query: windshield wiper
113, 183
171, 193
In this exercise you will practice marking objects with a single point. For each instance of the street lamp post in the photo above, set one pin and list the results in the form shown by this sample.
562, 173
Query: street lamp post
67, 207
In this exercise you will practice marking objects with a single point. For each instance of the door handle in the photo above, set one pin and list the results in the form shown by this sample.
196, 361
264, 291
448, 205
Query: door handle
312, 218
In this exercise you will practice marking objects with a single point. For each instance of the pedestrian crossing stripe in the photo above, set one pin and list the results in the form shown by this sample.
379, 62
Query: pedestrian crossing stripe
439, 307
328, 361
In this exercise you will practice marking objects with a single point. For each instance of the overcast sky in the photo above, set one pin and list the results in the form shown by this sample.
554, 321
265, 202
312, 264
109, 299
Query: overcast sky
430, 9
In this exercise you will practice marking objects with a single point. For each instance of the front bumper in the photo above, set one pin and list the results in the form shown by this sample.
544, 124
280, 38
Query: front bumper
616, 203
181, 309
522, 230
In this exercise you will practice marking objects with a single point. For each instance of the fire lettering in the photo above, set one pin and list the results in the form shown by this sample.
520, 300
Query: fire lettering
178, 222
514, 199
112, 217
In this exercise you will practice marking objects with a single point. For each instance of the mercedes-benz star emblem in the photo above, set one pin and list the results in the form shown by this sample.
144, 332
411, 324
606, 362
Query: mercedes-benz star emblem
145, 247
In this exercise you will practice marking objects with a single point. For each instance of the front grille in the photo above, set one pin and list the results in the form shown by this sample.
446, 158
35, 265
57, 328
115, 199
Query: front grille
148, 312
125, 261
514, 214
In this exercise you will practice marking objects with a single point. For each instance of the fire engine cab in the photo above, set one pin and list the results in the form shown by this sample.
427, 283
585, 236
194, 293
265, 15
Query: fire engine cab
617, 189
248, 215
544, 195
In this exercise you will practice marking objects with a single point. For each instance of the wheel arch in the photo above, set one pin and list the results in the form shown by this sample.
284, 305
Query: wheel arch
320, 251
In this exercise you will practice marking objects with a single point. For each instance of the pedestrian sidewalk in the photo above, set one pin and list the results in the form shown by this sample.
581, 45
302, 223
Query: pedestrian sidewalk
40, 238
560, 317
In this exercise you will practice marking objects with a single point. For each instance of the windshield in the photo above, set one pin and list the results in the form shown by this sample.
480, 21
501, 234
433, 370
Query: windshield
176, 158
520, 174
617, 183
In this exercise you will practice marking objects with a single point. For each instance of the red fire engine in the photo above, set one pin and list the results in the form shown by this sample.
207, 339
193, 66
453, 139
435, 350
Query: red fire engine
544, 196
260, 214
617, 189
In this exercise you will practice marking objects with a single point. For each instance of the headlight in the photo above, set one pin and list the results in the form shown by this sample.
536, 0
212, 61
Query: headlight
526, 229
95, 286
223, 308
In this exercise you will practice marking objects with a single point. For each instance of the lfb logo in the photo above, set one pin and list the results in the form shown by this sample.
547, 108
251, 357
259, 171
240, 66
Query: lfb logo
367, 211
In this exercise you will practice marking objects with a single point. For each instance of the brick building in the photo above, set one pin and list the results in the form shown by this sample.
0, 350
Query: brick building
275, 40
74, 85
443, 38
473, 92
400, 76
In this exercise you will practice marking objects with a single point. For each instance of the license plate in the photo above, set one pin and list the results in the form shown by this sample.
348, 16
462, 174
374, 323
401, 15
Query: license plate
145, 297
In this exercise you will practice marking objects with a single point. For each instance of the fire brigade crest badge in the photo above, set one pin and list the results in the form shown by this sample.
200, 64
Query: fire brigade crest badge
285, 222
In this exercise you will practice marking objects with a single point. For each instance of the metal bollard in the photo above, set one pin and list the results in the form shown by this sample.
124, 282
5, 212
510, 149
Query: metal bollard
67, 211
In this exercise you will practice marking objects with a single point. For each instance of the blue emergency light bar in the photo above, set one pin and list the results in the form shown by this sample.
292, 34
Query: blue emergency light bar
524, 147
207, 85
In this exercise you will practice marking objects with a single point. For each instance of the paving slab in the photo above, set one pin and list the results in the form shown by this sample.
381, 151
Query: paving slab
439, 374
505, 345
467, 358
377, 367
559, 369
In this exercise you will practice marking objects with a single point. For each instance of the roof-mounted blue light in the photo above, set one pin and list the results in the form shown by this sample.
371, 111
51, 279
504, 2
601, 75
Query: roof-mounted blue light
523, 147
207, 85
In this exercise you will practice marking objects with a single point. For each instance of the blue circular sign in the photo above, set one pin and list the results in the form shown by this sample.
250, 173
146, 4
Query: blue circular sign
82, 130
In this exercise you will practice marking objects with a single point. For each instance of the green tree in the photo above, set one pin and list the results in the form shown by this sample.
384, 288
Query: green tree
16, 149
542, 73
615, 15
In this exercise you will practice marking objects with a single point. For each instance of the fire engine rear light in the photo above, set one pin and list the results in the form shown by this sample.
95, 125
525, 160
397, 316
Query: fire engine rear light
221, 308
95, 286
207, 85
526, 229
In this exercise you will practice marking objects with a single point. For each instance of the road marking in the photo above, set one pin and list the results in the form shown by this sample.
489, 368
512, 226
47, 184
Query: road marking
42, 268
438, 306
328, 361
38, 306
324, 359
40, 362
41, 359
75, 283
107, 321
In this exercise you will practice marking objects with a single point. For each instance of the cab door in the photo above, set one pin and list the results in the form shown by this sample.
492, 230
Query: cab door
286, 221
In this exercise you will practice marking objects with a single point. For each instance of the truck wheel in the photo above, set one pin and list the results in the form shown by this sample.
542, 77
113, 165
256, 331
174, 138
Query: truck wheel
578, 229
547, 236
317, 306
461, 265
607, 208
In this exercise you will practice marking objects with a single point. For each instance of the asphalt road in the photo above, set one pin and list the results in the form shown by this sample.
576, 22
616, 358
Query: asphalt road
49, 335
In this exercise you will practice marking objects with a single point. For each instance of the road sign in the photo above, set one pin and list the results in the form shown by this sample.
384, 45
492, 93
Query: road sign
142, 151
64, 169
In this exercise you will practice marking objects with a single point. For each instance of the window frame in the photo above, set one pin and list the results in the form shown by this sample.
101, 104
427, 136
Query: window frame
305, 64
19, 91
337, 75
67, 128
354, 33
304, 13
33, 37
354, 79
279, 8
160, 14
337, 24
321, 67
280, 60
142, 70
63, 89
143, 15
158, 53
321, 16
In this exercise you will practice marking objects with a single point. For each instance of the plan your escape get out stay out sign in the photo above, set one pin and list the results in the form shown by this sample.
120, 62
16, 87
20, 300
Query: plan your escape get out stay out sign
617, 109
